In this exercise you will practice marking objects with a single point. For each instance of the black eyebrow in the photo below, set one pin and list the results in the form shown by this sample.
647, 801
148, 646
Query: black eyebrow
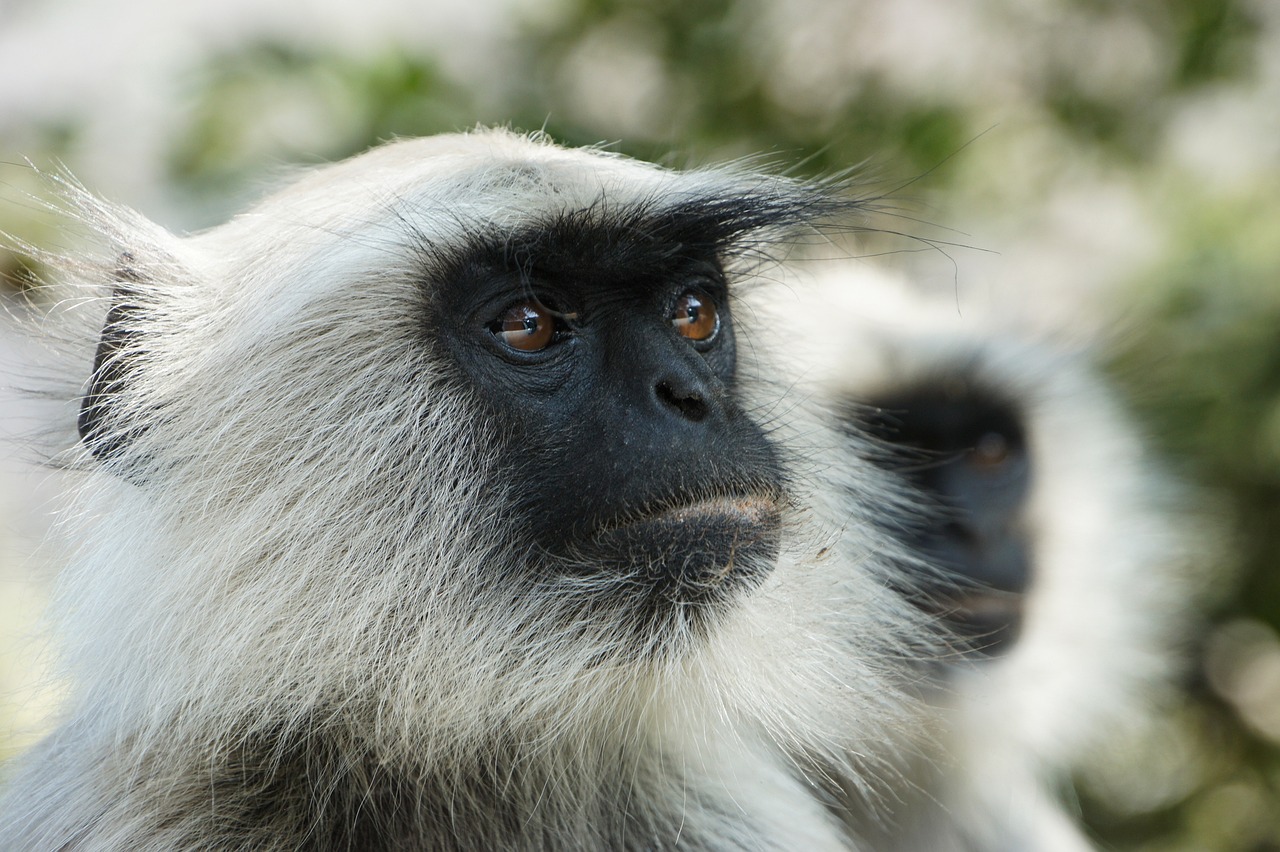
644, 234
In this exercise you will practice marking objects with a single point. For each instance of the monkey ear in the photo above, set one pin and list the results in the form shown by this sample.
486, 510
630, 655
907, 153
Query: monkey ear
102, 426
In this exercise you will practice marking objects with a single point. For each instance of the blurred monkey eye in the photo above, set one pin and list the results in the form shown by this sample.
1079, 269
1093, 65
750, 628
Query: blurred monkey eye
992, 450
528, 326
694, 316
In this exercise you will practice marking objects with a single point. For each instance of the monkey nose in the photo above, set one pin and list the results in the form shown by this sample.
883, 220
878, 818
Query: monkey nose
686, 401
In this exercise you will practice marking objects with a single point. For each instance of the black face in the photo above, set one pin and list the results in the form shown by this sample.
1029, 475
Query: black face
606, 359
964, 448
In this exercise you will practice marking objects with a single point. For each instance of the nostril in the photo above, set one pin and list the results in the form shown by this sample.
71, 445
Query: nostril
688, 403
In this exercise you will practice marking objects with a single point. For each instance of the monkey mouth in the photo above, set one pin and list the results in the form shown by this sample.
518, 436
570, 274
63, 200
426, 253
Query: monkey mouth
691, 548
745, 512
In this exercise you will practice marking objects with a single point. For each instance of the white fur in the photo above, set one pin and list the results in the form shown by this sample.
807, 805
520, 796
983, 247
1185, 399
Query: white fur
304, 539
1110, 575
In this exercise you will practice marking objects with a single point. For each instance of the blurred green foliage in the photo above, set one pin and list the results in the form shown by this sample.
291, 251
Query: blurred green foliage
1202, 365
256, 105
1205, 367
709, 56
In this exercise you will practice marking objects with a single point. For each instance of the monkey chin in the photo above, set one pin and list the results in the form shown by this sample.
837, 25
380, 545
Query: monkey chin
695, 552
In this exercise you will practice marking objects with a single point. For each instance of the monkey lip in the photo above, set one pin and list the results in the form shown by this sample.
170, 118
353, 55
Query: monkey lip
752, 511
695, 544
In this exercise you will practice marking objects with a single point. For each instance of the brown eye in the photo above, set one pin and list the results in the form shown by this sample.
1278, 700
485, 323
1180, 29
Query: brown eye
526, 326
695, 317
992, 450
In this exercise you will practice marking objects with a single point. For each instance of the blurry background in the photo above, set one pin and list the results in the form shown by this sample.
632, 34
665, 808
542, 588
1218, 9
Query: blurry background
1110, 170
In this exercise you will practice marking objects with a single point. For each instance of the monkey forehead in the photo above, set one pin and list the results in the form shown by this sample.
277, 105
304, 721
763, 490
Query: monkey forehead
464, 171
384, 217
441, 184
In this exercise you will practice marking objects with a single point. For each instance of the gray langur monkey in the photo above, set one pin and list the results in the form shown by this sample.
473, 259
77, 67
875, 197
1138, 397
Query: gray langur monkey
427, 506
1043, 538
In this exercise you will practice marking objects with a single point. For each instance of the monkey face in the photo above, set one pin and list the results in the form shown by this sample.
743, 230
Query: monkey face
531, 345
606, 356
963, 448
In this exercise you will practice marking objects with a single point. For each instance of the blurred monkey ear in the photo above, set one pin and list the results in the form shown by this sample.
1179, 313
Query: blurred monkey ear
102, 425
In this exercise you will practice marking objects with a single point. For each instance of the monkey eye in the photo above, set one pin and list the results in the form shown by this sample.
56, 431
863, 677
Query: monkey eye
527, 326
694, 316
991, 451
